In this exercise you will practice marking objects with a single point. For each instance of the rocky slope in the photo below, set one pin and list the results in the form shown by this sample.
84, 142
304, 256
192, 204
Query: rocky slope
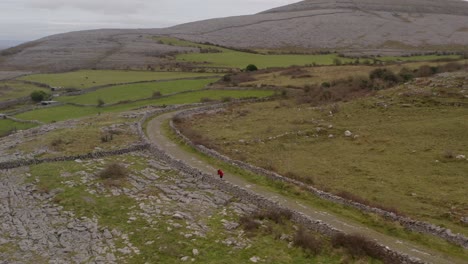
360, 25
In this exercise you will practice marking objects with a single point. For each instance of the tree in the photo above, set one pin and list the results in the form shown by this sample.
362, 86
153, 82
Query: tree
100, 102
38, 96
251, 68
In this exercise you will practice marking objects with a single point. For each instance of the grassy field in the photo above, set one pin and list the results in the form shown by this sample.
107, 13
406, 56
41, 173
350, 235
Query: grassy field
224, 57
402, 157
421, 58
237, 59
89, 78
316, 75
119, 93
85, 137
15, 89
6, 126
65, 112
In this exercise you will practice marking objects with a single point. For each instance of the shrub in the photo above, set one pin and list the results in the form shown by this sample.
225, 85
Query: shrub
358, 246
384, 74
227, 78
100, 102
38, 96
307, 241
113, 171
249, 223
226, 99
406, 74
156, 94
251, 68
425, 71
206, 100
337, 61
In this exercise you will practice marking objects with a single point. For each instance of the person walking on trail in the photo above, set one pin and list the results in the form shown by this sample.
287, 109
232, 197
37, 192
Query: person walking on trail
220, 173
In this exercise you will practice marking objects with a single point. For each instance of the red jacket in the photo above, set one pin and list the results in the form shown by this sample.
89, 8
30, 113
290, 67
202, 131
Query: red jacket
220, 173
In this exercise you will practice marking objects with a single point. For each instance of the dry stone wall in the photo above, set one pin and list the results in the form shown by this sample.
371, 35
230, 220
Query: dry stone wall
93, 155
250, 197
407, 222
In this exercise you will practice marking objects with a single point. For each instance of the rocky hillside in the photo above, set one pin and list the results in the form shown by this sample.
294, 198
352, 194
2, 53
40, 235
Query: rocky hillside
362, 26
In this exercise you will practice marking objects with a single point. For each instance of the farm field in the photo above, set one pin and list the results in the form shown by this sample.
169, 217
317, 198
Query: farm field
303, 76
7, 126
215, 56
59, 113
16, 89
89, 78
132, 92
403, 154
237, 59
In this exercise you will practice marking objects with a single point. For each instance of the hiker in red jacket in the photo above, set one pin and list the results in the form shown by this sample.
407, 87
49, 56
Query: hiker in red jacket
220, 173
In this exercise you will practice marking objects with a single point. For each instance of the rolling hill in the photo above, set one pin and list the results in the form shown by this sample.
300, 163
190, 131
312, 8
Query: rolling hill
350, 26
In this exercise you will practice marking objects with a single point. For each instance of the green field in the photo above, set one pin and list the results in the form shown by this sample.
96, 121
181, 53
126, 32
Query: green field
237, 59
90, 78
16, 89
421, 58
6, 126
132, 92
66, 112
403, 157
224, 57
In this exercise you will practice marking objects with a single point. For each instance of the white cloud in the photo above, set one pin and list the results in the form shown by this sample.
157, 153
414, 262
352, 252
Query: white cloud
31, 19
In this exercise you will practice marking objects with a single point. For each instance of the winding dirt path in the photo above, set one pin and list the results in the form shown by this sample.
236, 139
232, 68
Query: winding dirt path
158, 137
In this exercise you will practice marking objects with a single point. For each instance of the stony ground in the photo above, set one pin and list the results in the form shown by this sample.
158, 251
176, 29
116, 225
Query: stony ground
37, 228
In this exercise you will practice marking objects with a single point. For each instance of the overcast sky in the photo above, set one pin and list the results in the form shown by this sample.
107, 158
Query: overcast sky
33, 19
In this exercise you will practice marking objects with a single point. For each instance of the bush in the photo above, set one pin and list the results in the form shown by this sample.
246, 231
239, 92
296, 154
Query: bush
385, 75
156, 94
100, 102
307, 241
358, 246
38, 96
337, 62
249, 223
113, 171
251, 68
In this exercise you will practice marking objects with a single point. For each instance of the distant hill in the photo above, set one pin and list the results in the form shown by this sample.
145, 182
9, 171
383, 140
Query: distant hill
351, 26
4, 44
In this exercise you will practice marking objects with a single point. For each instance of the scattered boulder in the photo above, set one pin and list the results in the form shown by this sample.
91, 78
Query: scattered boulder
255, 259
348, 133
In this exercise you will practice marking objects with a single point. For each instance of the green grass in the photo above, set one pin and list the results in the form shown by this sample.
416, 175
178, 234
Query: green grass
66, 112
306, 198
7, 126
89, 78
420, 58
394, 156
237, 59
83, 138
16, 89
116, 94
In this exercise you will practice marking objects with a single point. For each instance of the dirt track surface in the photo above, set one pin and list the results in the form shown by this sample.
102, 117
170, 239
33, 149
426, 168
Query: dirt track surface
157, 137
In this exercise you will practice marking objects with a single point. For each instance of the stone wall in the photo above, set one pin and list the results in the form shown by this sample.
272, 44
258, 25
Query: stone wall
407, 222
250, 197
93, 155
